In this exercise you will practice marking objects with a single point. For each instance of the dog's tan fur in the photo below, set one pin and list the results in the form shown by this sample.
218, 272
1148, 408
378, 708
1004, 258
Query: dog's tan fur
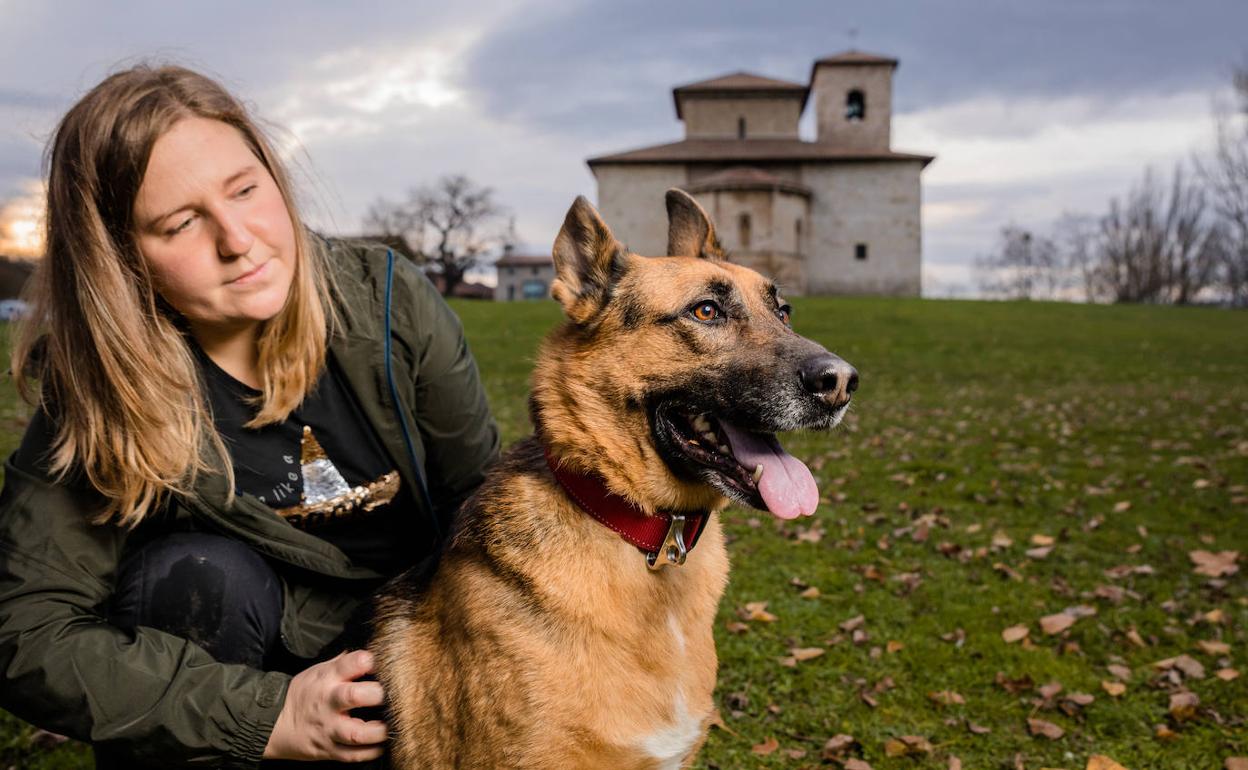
542, 640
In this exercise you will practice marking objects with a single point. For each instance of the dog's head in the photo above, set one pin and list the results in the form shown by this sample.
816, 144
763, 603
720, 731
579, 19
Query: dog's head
673, 374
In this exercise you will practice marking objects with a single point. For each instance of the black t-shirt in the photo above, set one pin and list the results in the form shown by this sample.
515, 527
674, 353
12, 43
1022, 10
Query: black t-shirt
323, 469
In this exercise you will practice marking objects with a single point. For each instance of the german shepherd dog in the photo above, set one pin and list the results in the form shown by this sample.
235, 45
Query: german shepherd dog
552, 634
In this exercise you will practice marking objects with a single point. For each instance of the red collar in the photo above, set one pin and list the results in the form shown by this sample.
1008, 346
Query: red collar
658, 534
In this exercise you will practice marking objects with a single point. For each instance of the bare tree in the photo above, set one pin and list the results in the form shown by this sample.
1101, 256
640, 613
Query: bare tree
1025, 266
448, 226
1225, 175
1157, 246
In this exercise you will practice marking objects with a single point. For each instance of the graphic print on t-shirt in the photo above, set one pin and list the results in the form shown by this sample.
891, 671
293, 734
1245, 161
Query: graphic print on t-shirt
326, 494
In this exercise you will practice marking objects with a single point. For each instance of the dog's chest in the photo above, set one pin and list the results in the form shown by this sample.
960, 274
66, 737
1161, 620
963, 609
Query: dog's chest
670, 745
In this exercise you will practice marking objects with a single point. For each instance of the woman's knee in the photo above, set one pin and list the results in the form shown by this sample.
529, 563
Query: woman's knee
207, 588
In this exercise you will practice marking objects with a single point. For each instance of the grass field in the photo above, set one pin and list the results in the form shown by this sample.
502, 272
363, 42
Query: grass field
1003, 463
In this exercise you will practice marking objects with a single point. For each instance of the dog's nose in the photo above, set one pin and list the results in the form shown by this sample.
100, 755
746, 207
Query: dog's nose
829, 377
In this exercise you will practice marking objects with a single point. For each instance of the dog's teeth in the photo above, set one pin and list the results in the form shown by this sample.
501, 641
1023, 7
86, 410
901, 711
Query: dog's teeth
758, 472
701, 424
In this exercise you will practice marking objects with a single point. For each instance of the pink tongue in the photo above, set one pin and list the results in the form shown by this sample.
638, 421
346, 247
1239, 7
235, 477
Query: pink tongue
787, 487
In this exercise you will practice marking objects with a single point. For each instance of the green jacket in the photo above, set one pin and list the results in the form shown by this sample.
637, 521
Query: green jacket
158, 699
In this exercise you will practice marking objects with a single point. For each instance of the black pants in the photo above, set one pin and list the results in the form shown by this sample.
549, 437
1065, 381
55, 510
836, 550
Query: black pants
221, 595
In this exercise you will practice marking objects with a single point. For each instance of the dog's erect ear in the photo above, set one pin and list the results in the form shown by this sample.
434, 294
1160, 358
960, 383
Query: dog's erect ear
689, 230
588, 259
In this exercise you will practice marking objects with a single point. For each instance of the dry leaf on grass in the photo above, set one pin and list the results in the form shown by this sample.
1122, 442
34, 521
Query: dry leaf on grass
1235, 763
1214, 564
766, 747
1055, 624
1015, 633
1164, 733
853, 623
1213, 647
1226, 674
1186, 663
1102, 762
857, 764
1038, 553
717, 720
955, 763
1183, 705
907, 745
1039, 727
1039, 539
837, 745
757, 611
800, 654
946, 698
1119, 670
1114, 688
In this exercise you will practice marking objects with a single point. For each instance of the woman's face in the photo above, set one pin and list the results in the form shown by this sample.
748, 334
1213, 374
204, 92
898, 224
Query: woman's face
214, 229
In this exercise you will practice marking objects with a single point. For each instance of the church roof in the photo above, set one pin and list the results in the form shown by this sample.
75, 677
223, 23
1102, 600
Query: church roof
854, 58
747, 178
750, 150
525, 260
741, 83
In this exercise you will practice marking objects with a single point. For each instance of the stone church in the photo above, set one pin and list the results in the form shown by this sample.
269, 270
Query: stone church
839, 215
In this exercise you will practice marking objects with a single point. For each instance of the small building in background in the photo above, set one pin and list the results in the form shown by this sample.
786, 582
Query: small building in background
523, 276
837, 215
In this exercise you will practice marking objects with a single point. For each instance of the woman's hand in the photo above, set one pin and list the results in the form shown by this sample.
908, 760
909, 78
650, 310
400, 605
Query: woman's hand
314, 724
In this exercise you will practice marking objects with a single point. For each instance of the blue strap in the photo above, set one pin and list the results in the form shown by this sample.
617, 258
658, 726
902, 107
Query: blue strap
398, 405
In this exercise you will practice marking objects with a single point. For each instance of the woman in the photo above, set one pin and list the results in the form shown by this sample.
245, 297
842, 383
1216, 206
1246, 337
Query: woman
243, 429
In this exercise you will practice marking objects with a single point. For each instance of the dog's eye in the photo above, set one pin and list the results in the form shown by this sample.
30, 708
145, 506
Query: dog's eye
786, 313
707, 312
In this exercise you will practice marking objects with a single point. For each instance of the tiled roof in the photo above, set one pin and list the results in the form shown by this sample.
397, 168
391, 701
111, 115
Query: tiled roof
741, 83
750, 150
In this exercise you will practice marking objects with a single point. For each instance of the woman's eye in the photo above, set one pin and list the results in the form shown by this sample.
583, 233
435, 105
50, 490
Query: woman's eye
706, 311
181, 227
248, 190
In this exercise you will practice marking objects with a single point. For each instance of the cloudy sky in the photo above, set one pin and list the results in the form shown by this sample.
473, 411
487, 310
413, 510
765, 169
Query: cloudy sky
1032, 108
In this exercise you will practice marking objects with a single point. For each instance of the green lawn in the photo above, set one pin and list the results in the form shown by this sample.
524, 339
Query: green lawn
1114, 437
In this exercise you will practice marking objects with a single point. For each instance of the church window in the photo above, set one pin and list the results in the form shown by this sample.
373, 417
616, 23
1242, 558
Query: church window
743, 228
740, 128
855, 106
860, 251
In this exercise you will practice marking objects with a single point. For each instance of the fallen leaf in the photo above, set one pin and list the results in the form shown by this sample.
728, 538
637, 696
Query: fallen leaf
1183, 705
853, 623
946, 698
1122, 506
1114, 688
1055, 624
766, 747
737, 627
1216, 617
1048, 691
1102, 762
1039, 553
795, 753
1226, 674
894, 646
1214, 564
1185, 663
894, 748
1015, 633
1164, 733
758, 611
810, 593
1042, 540
801, 654
1235, 763
838, 744
955, 763
1001, 540
977, 729
857, 764
1119, 670
1049, 730
1213, 648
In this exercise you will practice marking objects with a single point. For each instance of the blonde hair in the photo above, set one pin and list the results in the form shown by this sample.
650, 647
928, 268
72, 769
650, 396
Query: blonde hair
118, 375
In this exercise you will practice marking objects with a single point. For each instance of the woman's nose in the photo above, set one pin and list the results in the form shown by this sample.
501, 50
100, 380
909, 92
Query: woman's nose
234, 238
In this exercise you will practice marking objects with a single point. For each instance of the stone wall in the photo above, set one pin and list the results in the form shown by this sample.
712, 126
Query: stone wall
871, 203
717, 118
